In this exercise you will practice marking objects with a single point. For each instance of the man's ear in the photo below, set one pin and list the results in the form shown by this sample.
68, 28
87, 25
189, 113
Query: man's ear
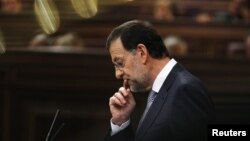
142, 52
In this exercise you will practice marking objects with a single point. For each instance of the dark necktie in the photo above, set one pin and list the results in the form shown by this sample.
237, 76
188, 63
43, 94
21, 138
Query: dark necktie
150, 100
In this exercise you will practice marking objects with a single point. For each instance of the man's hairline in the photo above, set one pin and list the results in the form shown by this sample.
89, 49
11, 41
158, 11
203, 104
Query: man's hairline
116, 38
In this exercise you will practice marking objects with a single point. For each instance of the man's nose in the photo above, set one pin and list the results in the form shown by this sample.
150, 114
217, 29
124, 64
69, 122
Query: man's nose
119, 73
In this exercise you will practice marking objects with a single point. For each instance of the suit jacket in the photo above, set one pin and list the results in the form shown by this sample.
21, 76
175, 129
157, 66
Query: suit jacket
181, 111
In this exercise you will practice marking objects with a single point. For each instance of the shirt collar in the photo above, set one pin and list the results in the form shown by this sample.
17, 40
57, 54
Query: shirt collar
163, 75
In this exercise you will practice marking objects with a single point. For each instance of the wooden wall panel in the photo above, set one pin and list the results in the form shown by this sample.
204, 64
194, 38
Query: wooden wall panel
36, 83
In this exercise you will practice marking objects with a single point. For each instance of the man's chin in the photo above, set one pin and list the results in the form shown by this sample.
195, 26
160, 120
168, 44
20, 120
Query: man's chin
133, 90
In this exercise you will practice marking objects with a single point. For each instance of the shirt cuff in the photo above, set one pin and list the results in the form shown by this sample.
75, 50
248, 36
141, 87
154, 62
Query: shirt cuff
115, 128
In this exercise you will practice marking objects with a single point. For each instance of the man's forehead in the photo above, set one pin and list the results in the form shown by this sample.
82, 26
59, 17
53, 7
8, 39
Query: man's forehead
116, 49
116, 44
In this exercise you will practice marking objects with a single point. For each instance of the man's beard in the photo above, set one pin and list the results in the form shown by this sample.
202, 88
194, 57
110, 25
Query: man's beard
136, 88
141, 84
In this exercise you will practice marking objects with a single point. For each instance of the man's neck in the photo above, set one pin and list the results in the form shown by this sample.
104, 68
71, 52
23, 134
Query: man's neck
156, 66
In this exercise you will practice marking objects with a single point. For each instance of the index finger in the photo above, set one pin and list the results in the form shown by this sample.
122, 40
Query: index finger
125, 84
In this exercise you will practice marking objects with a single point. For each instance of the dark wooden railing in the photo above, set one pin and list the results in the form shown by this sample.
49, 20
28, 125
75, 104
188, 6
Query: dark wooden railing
209, 39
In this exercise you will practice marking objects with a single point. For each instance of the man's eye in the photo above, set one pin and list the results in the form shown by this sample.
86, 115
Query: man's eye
118, 65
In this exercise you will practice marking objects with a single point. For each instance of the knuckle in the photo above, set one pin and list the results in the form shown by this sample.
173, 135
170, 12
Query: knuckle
110, 99
121, 89
116, 94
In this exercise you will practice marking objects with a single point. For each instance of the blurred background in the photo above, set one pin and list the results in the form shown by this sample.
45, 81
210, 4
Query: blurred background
52, 56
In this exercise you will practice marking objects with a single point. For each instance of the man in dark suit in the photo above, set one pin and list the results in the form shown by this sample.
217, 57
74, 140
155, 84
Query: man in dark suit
178, 106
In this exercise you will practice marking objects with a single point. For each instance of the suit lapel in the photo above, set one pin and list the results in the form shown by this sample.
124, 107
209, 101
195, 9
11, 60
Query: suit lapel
157, 104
